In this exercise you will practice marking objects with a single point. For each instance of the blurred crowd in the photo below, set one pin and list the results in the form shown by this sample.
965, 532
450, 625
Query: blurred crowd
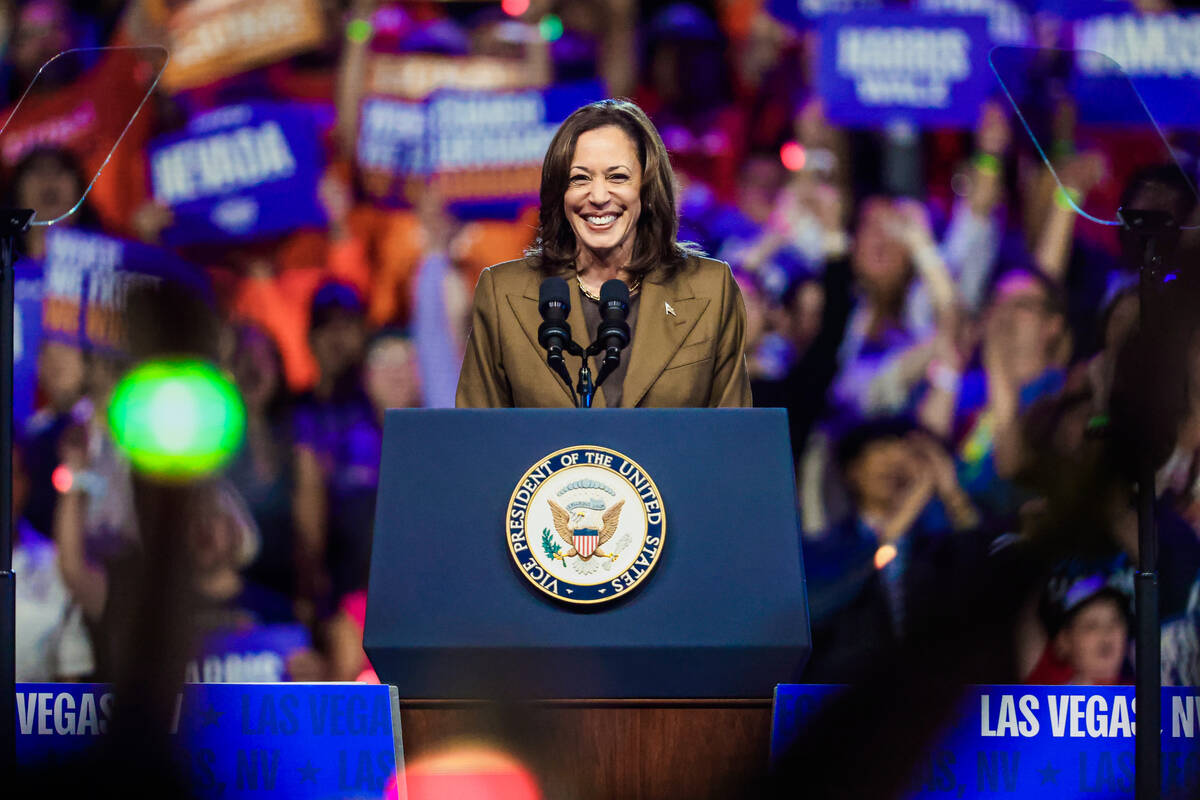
951, 340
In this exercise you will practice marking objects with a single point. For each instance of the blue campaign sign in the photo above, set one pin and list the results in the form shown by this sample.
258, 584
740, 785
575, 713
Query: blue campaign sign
484, 149
804, 14
255, 655
88, 276
390, 147
886, 66
1081, 9
1051, 742
1008, 20
27, 338
1161, 55
240, 173
319, 740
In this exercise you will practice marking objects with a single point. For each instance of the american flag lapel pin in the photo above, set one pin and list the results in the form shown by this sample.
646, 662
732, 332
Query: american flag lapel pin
670, 311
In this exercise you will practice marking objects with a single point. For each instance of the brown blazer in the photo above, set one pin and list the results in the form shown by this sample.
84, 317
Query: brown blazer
694, 357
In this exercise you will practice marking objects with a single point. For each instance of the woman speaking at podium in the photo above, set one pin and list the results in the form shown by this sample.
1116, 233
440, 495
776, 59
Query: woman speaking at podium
608, 211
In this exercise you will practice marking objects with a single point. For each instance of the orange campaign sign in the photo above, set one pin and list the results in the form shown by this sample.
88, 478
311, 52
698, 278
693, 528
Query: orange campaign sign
212, 39
413, 76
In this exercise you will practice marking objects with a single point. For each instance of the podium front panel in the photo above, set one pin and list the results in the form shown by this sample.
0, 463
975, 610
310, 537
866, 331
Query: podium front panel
723, 614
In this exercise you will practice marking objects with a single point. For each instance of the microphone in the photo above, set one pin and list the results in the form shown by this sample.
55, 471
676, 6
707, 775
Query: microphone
613, 333
554, 334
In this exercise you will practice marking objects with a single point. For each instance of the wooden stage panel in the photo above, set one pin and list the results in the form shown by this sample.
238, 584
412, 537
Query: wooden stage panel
640, 750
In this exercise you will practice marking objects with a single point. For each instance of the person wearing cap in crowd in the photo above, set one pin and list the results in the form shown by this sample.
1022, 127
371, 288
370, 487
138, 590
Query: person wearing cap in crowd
1088, 623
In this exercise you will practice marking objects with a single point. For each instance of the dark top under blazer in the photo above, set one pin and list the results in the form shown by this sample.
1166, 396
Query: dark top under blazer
692, 356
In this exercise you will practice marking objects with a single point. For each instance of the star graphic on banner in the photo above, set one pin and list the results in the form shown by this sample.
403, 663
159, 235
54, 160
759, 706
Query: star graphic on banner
308, 773
211, 717
1049, 774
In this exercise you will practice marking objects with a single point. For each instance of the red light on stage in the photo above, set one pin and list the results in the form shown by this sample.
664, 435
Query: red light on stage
473, 770
514, 8
792, 155
62, 479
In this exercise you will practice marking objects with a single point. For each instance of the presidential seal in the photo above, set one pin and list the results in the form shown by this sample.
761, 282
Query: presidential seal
585, 525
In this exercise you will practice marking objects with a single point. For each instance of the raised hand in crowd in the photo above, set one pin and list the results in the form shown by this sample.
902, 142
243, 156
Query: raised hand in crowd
337, 198
351, 77
992, 140
150, 220
1001, 356
1079, 174
934, 459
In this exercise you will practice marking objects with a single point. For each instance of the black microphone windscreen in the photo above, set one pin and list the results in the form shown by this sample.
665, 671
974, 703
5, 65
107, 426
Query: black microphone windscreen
554, 293
615, 291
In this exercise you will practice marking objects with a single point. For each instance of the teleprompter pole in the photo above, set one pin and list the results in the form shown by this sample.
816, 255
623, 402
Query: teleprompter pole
1154, 230
12, 223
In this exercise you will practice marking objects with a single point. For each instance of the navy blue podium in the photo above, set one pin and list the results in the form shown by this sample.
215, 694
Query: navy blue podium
722, 616
665, 691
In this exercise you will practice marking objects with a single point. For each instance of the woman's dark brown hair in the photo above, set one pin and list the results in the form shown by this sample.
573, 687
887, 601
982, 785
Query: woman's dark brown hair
554, 249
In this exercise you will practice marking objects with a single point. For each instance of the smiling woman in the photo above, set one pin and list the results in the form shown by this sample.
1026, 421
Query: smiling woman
608, 211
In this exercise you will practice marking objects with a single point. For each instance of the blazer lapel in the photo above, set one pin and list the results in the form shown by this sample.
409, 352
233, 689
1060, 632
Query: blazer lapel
659, 332
525, 307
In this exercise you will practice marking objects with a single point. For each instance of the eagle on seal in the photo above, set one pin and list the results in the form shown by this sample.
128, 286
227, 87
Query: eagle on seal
579, 523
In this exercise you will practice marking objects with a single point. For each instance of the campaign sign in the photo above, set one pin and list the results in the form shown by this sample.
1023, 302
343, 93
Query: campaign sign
240, 173
27, 337
803, 14
311, 740
414, 76
1081, 9
881, 67
213, 40
484, 150
1050, 742
87, 278
391, 147
1161, 55
255, 655
1008, 21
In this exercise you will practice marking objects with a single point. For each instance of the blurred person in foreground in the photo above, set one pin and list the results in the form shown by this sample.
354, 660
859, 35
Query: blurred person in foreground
872, 577
608, 212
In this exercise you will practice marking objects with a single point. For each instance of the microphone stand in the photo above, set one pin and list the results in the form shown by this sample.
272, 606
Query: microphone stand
585, 388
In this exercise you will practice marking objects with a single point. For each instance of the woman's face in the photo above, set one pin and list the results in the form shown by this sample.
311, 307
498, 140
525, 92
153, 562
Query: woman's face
604, 190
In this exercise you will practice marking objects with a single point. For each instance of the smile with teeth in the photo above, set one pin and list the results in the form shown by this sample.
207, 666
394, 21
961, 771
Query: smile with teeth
600, 220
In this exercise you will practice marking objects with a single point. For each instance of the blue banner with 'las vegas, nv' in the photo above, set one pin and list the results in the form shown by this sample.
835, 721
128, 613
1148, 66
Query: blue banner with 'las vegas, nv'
240, 173
887, 66
1033, 742
331, 740
1160, 54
